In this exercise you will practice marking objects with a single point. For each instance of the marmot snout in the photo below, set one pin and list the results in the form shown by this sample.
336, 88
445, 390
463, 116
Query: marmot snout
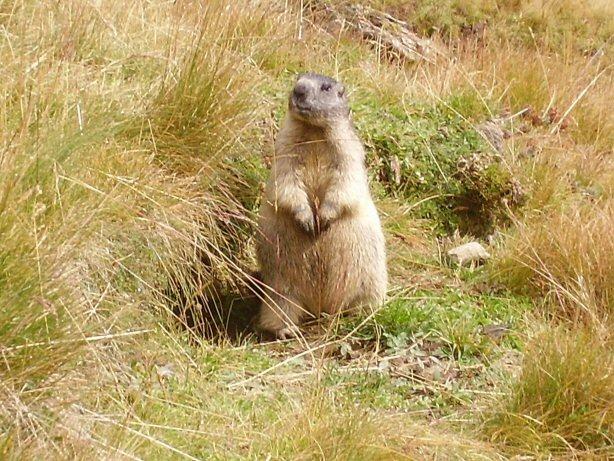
318, 100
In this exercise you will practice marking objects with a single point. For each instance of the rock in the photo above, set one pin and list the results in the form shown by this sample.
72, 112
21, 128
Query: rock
496, 331
493, 132
468, 253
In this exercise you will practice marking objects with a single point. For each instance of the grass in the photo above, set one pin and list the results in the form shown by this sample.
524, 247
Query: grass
563, 259
558, 26
449, 320
327, 430
416, 152
563, 399
133, 145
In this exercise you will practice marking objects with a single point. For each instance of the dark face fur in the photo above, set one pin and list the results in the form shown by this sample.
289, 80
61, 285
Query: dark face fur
318, 100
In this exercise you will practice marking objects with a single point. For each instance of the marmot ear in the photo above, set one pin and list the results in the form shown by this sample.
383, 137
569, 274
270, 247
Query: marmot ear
341, 91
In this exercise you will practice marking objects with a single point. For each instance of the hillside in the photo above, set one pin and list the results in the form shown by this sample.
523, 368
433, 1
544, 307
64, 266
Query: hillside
135, 139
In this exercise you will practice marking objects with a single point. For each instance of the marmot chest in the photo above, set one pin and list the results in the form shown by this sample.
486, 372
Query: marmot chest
317, 168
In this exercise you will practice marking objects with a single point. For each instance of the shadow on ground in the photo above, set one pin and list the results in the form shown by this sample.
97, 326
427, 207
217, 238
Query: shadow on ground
216, 312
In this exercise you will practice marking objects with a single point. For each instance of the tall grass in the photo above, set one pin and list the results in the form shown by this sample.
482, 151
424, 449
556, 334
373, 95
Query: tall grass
567, 257
46, 213
561, 249
563, 397
116, 128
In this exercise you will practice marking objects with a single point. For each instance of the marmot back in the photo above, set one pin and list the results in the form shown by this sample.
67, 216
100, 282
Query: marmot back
320, 245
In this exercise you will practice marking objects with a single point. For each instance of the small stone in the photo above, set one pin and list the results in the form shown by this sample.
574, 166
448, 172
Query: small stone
468, 253
492, 131
496, 331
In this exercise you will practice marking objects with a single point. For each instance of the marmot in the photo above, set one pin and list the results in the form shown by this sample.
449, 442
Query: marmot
320, 245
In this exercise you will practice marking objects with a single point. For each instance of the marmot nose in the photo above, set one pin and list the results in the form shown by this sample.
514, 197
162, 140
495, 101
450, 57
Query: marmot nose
300, 91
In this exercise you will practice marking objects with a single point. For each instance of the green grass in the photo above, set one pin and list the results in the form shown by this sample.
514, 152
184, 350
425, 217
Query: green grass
428, 351
416, 150
449, 321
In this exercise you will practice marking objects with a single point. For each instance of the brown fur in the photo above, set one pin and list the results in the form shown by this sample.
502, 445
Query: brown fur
320, 246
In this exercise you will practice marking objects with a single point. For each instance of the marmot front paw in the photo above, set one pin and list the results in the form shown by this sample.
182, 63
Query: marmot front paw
305, 219
326, 215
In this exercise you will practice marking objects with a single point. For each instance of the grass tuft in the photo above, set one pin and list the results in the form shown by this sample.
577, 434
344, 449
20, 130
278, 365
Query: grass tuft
324, 429
563, 397
567, 257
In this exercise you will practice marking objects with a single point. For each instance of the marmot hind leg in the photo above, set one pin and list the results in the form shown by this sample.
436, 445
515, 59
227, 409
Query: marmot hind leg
370, 296
280, 315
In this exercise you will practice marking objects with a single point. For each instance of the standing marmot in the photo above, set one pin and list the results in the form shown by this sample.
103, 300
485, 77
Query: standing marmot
320, 246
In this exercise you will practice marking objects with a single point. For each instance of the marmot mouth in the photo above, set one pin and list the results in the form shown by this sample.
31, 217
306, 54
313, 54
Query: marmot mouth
302, 107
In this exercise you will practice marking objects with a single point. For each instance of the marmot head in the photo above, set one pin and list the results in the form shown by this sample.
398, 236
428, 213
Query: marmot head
318, 100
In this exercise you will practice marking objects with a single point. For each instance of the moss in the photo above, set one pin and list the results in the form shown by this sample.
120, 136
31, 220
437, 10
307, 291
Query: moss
432, 155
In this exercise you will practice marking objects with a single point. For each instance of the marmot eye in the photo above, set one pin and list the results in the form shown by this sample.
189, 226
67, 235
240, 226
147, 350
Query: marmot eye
326, 87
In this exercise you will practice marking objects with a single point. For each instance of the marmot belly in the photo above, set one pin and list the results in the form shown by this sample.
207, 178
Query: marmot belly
335, 270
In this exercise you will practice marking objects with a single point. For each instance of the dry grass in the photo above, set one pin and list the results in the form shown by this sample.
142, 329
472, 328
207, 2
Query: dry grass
563, 398
324, 429
560, 247
130, 155
568, 257
94, 218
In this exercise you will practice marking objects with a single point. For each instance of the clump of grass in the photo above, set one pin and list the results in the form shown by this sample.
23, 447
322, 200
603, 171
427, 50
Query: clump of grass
324, 429
566, 256
207, 100
435, 157
563, 397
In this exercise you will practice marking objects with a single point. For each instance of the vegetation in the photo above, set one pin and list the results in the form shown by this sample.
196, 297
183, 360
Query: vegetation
134, 141
435, 153
564, 400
